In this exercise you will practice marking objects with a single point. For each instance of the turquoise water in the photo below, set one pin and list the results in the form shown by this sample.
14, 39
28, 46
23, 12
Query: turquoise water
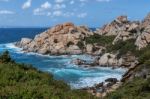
60, 66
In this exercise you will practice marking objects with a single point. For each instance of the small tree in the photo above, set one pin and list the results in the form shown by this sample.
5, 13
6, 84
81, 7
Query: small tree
5, 57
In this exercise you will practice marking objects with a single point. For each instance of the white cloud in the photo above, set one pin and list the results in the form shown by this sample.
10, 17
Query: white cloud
59, 1
44, 9
27, 4
6, 12
59, 6
82, 15
46, 5
68, 14
57, 13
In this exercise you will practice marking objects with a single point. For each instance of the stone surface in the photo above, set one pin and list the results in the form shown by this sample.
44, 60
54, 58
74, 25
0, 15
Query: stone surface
109, 60
60, 39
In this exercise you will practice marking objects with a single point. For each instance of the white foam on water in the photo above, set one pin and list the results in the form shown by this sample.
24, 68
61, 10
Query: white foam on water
10, 47
87, 76
91, 81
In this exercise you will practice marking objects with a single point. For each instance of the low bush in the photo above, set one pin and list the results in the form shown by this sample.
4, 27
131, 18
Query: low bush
100, 40
123, 47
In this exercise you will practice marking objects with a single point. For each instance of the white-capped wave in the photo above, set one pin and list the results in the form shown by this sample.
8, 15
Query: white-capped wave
10, 47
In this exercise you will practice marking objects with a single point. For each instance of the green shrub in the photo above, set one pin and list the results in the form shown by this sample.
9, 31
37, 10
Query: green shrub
80, 45
123, 47
100, 40
5, 57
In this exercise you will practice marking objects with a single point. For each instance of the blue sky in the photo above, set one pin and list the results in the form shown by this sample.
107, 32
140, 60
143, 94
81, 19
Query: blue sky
94, 13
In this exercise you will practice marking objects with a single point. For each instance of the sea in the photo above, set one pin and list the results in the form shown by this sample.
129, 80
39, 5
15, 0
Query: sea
61, 66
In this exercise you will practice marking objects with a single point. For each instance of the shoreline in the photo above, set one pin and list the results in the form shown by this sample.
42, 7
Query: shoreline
95, 67
88, 89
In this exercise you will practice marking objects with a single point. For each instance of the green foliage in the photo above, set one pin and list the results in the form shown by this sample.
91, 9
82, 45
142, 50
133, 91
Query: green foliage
122, 47
21, 81
81, 45
100, 40
137, 89
144, 55
5, 57
70, 43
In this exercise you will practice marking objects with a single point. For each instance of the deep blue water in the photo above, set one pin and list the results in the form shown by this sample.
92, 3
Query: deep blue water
60, 66
8, 35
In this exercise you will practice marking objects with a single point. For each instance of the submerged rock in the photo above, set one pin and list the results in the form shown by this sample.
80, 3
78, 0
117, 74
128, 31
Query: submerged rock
112, 80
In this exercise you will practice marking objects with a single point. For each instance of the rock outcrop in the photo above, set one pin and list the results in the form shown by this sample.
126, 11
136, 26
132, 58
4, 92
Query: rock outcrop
144, 38
61, 39
121, 23
121, 28
109, 60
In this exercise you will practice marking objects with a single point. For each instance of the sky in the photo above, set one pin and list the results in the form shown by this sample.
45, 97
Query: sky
46, 13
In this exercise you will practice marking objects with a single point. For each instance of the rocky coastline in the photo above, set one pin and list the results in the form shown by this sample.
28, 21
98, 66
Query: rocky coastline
69, 39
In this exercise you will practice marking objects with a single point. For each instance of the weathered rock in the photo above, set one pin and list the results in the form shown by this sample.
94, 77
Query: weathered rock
89, 48
99, 85
109, 60
146, 21
116, 26
24, 41
61, 39
122, 19
143, 38
113, 80
78, 62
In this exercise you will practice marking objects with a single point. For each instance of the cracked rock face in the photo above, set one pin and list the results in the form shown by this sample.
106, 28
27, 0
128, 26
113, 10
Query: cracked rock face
60, 39
121, 28
144, 38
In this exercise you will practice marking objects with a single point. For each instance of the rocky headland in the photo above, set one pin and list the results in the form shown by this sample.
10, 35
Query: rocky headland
120, 43
70, 39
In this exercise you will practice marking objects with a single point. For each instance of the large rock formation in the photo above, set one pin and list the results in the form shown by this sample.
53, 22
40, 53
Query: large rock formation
61, 39
144, 37
121, 28
120, 24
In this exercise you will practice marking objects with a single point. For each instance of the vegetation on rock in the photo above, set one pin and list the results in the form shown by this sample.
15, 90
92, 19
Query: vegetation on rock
137, 87
99, 39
